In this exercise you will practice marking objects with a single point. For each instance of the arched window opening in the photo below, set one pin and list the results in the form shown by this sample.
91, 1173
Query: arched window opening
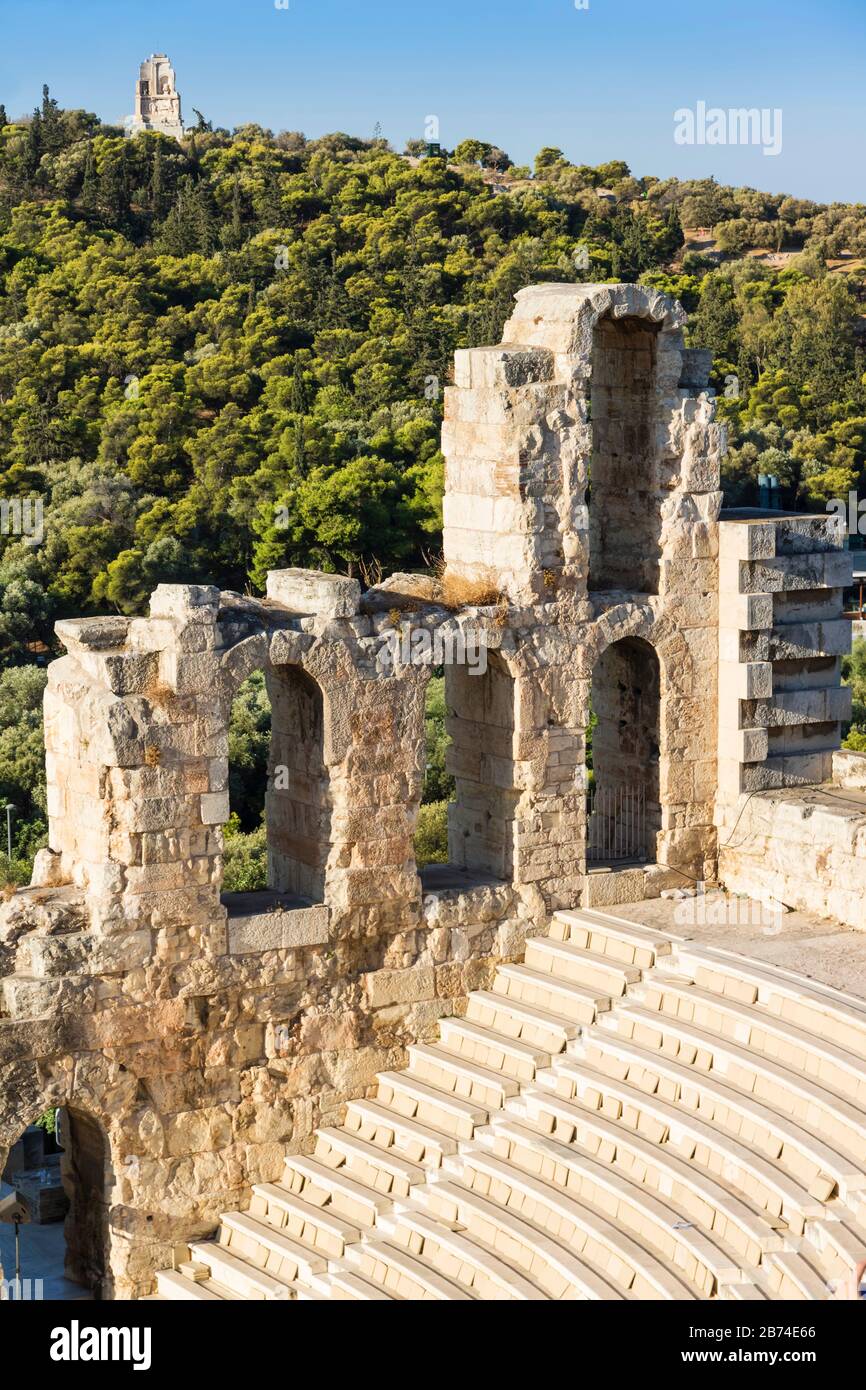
624, 507
623, 801
431, 833
59, 1170
297, 804
479, 728
278, 835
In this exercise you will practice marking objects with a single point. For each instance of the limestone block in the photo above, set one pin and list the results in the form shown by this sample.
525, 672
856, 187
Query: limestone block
386, 987
47, 869
185, 603
747, 540
215, 808
752, 745
501, 366
313, 592
92, 634
118, 955
849, 769
747, 612
278, 930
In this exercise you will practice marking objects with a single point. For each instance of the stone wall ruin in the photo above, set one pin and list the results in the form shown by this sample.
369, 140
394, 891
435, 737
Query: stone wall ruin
206, 1037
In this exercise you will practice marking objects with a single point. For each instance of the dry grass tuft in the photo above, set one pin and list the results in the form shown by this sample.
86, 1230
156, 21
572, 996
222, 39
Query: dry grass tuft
460, 592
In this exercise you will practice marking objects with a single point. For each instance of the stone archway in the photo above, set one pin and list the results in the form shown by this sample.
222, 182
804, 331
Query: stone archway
88, 1181
297, 801
296, 791
63, 1172
480, 720
684, 834
625, 808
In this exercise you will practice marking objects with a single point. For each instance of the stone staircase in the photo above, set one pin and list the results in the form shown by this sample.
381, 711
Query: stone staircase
622, 1116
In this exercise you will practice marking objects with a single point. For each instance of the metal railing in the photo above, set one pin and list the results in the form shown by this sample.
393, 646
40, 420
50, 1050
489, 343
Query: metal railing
616, 824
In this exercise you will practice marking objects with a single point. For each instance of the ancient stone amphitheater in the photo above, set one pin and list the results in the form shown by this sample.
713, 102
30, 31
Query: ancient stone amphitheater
504, 1076
619, 1116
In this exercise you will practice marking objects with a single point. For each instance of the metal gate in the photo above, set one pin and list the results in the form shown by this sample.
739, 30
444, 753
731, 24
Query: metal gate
616, 824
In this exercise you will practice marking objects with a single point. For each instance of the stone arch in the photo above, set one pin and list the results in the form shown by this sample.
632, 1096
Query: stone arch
481, 720
645, 624
88, 1180
89, 1120
297, 798
625, 815
562, 318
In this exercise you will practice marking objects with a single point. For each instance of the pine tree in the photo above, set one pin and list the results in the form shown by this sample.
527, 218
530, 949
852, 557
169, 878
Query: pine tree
33, 146
674, 238
90, 183
204, 221
4, 120
299, 409
157, 183
178, 235
114, 188
52, 132
237, 226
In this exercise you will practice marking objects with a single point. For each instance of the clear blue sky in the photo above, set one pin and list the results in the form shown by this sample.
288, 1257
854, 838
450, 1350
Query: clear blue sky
601, 83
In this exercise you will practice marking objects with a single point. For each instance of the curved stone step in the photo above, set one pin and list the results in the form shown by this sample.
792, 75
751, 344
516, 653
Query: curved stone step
438, 1067
818, 1009
344, 1285
316, 1227
754, 1027
695, 1136
624, 941
268, 1247
791, 1276
439, 1110
556, 1268
514, 1019
333, 1190
589, 1232
542, 990
542, 1170
816, 1164
813, 1106
692, 1190
455, 1255
175, 1287
576, 966
387, 1130
247, 1280
403, 1275
484, 1046
381, 1169
839, 1244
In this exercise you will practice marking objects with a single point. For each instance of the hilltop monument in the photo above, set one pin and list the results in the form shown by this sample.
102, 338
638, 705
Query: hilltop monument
157, 100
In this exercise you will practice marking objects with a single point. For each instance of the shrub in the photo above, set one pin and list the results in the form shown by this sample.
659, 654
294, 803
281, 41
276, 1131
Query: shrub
431, 835
245, 863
